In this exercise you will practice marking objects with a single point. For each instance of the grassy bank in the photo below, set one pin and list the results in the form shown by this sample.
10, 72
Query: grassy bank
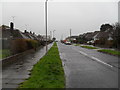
88, 47
4, 53
47, 73
112, 52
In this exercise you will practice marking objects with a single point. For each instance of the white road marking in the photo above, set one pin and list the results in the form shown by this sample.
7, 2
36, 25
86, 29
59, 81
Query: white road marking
83, 53
94, 58
101, 61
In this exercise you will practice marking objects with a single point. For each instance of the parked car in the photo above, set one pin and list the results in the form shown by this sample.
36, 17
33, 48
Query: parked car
68, 43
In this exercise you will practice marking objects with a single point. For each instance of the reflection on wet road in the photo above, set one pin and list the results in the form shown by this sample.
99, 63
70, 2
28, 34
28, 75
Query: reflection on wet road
82, 71
17, 72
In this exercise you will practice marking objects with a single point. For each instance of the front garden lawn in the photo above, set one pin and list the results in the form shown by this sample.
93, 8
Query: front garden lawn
4, 53
77, 45
89, 47
113, 52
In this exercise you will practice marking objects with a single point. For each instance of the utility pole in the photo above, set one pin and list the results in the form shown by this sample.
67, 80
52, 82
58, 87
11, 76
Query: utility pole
62, 37
46, 23
13, 18
50, 35
70, 35
26, 26
53, 33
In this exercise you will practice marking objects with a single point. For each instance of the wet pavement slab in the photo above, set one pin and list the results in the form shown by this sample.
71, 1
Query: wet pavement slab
17, 72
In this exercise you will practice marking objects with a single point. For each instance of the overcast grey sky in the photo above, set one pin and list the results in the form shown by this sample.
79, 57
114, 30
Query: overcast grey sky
81, 17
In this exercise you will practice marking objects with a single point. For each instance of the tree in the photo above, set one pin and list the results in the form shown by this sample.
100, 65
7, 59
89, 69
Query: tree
54, 39
116, 35
105, 27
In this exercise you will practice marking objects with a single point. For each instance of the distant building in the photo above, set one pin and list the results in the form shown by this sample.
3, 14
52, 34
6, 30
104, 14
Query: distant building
73, 39
44, 38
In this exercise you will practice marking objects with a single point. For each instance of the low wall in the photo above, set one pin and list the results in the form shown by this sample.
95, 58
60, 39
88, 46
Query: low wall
15, 57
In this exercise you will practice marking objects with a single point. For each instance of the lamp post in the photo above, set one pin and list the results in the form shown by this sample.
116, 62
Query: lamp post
53, 33
13, 18
70, 35
50, 35
46, 23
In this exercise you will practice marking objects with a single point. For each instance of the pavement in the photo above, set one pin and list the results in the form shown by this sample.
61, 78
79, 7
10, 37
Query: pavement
86, 68
16, 73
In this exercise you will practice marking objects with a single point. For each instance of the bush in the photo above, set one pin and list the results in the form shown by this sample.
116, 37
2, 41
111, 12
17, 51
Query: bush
21, 45
32, 44
18, 45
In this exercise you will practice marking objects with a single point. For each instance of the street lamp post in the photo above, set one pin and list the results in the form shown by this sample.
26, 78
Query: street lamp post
46, 23
13, 18
70, 35
50, 35
53, 33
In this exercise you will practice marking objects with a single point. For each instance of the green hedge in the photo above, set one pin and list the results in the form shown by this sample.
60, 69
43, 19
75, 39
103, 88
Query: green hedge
21, 45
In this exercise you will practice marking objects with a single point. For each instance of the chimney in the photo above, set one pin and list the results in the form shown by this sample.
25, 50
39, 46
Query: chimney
11, 25
25, 31
30, 32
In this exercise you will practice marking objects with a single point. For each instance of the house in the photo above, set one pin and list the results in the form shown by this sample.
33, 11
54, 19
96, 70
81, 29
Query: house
103, 38
6, 36
88, 36
9, 34
40, 38
107, 35
30, 35
73, 39
44, 37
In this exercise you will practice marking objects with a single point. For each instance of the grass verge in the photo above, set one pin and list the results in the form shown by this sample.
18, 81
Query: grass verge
77, 45
88, 47
4, 53
112, 52
48, 72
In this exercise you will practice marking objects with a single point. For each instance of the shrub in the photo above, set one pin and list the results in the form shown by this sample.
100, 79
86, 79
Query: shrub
21, 45
32, 44
18, 45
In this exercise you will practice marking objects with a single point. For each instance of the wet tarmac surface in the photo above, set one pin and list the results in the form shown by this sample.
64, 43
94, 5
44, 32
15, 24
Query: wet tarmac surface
16, 73
110, 59
82, 71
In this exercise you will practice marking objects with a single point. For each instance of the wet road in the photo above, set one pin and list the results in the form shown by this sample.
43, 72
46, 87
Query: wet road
17, 72
88, 68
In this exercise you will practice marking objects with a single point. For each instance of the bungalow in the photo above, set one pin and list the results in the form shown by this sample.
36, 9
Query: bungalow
87, 37
103, 38
103, 35
44, 38
73, 39
30, 35
9, 34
